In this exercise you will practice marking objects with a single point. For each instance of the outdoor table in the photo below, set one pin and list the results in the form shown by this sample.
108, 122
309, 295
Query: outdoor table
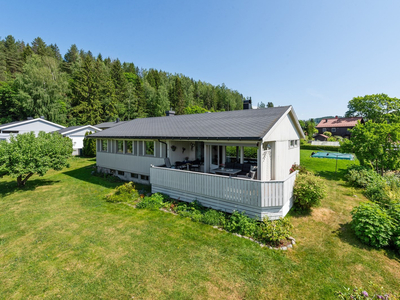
225, 171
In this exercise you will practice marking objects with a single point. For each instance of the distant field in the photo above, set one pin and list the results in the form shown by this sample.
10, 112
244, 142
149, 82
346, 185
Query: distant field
60, 239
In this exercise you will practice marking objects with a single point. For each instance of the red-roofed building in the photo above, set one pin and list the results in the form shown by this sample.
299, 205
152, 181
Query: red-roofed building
338, 126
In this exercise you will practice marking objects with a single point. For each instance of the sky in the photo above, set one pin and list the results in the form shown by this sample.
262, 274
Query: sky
313, 55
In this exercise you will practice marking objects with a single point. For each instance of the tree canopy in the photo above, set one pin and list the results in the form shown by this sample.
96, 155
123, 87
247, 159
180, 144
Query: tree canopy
377, 108
376, 145
25, 154
79, 88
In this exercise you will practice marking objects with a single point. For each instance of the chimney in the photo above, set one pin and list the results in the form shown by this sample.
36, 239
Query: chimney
170, 113
117, 120
326, 120
336, 117
247, 104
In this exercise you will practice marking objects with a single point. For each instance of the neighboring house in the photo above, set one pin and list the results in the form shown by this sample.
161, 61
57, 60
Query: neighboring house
338, 126
77, 134
35, 125
107, 125
321, 137
142, 150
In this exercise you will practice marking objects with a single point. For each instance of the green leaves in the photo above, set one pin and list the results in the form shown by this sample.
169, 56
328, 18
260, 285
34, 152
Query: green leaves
26, 154
372, 225
376, 145
308, 191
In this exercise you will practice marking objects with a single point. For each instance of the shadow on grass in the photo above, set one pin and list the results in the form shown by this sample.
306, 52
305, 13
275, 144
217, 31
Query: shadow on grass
10, 187
332, 175
299, 213
85, 174
347, 235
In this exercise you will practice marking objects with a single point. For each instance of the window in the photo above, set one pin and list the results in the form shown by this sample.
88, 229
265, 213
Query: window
149, 148
121, 173
104, 145
144, 177
128, 147
323, 129
333, 130
120, 146
134, 175
293, 143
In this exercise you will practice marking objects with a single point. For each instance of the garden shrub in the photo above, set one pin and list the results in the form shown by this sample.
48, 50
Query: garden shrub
300, 168
308, 191
213, 217
155, 201
360, 176
123, 193
372, 225
394, 212
241, 224
273, 232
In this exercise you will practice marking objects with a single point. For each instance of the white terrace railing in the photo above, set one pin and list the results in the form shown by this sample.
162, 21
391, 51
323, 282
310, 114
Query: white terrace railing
223, 192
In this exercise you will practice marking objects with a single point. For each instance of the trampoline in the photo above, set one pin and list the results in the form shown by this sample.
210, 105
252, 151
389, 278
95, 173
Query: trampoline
333, 155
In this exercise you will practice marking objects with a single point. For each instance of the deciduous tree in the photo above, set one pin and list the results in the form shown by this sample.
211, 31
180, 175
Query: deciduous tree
26, 154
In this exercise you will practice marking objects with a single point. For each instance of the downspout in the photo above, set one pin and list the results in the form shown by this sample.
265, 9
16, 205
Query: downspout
166, 147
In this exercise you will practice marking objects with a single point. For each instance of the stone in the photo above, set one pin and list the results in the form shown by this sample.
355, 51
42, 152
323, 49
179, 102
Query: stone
283, 248
290, 246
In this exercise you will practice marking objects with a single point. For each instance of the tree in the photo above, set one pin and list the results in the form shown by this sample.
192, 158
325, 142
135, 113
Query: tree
270, 104
376, 145
42, 89
310, 128
261, 105
378, 108
89, 146
26, 154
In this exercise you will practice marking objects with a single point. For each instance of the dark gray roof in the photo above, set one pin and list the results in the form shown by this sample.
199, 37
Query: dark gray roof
68, 129
251, 124
106, 125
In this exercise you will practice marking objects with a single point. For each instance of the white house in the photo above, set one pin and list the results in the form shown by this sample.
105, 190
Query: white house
77, 134
211, 156
35, 125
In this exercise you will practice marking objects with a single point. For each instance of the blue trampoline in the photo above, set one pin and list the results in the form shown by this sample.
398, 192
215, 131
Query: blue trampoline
333, 155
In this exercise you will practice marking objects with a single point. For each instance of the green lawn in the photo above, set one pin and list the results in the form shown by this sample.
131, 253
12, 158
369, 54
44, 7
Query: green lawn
60, 239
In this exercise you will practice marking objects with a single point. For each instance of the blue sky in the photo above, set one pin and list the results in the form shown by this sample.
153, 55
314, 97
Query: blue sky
314, 55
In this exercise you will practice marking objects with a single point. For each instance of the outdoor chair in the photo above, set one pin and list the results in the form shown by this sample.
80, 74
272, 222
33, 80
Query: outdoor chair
250, 175
167, 162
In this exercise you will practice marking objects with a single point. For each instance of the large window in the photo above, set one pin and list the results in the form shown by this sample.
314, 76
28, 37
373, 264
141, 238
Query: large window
120, 146
104, 145
149, 148
128, 147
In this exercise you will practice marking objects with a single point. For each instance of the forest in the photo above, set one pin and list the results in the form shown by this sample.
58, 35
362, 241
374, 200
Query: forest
79, 88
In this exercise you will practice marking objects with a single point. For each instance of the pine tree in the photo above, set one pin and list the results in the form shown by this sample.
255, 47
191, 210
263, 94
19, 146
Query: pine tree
86, 103
13, 59
39, 47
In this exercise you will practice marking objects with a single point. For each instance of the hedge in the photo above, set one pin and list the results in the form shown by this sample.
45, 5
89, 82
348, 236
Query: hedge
319, 147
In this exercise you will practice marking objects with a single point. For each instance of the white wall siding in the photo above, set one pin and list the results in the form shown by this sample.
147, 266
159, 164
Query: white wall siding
255, 197
35, 126
127, 163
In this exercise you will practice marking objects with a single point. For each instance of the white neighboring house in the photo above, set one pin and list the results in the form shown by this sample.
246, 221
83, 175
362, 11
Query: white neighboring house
143, 150
35, 125
77, 134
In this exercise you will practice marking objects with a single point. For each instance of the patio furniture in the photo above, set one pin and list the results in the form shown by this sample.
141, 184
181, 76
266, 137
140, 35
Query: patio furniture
229, 172
167, 162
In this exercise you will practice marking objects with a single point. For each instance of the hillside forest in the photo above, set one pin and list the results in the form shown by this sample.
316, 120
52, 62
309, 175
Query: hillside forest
80, 88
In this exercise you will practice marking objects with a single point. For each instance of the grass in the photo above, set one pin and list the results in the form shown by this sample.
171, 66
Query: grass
59, 238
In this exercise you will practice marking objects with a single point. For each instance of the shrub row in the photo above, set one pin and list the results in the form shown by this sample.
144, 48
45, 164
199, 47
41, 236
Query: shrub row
319, 147
269, 232
376, 224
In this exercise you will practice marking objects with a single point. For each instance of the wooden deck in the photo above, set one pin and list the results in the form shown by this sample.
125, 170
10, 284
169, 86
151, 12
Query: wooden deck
257, 198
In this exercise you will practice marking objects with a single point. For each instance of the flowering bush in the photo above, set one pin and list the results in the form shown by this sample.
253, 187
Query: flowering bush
301, 169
